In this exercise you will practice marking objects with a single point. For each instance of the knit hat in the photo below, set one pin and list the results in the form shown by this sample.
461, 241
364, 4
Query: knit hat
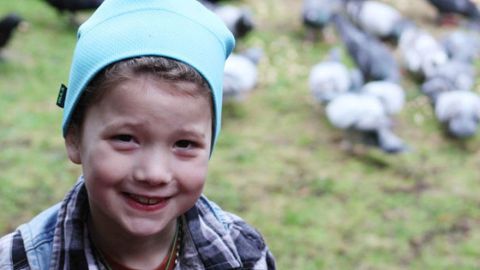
183, 30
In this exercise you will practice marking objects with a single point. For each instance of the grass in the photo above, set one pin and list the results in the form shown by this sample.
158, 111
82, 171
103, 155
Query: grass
278, 162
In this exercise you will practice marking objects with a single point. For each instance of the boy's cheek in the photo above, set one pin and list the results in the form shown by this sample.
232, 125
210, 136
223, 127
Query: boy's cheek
193, 176
194, 185
106, 170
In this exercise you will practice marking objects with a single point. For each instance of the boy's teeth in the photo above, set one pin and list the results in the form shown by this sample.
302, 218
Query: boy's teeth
144, 200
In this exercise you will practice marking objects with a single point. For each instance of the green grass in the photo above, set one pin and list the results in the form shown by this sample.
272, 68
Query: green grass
278, 162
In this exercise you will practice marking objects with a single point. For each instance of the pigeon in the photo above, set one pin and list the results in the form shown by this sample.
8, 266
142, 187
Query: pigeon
372, 57
316, 15
390, 94
362, 115
420, 52
459, 111
451, 75
377, 18
331, 78
8, 24
462, 45
73, 6
239, 20
466, 8
241, 74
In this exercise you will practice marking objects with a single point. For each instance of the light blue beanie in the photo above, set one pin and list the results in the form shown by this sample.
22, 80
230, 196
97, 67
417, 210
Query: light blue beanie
179, 29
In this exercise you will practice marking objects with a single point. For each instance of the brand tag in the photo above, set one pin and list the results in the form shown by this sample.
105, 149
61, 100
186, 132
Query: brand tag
62, 93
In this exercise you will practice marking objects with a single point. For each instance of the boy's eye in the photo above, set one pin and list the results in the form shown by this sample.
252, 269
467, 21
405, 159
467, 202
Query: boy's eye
124, 142
123, 138
184, 144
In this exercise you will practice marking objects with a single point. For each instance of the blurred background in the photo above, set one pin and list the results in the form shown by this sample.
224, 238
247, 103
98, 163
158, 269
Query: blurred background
349, 133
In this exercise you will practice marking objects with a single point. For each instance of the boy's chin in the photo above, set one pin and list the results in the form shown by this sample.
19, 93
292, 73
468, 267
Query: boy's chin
147, 228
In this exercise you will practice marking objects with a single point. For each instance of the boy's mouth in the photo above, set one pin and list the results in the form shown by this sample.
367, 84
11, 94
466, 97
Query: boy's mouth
145, 200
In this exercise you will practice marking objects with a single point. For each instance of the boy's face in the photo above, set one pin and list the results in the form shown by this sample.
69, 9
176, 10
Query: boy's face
144, 151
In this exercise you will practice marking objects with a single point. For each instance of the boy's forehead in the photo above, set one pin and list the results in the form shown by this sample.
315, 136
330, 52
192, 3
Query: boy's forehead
137, 104
145, 83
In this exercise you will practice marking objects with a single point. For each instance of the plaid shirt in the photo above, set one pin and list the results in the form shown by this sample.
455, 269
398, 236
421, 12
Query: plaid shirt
213, 240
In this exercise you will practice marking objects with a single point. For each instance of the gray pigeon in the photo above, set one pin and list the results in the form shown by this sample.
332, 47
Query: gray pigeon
316, 15
331, 78
362, 115
466, 8
451, 75
377, 18
459, 111
372, 57
71, 7
433, 87
420, 52
8, 24
241, 74
462, 45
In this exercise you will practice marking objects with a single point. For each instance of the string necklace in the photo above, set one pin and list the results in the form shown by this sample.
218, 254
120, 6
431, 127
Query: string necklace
175, 247
174, 251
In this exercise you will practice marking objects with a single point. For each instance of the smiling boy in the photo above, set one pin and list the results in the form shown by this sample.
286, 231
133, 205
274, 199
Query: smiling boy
141, 115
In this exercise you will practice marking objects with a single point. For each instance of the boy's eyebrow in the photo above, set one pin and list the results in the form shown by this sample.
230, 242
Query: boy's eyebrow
189, 131
192, 132
118, 124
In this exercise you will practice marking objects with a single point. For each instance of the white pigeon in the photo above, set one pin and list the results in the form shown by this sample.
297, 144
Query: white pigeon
331, 78
459, 111
365, 115
353, 110
421, 53
390, 94
328, 79
377, 18
240, 74
239, 20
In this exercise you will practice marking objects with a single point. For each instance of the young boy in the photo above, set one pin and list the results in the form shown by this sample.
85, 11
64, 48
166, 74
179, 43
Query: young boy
141, 115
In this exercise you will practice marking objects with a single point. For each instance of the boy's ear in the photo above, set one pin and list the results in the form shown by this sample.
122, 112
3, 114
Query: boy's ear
72, 143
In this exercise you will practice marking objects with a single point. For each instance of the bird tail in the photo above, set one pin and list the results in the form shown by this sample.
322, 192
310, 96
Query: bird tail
389, 142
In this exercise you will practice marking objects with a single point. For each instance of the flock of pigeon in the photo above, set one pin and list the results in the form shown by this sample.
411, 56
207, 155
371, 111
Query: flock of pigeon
362, 100
384, 44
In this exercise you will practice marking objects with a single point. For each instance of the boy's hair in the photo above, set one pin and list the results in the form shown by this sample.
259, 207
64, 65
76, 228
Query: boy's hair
156, 67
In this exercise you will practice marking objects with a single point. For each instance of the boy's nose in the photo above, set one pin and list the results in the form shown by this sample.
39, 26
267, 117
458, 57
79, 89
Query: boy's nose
153, 168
